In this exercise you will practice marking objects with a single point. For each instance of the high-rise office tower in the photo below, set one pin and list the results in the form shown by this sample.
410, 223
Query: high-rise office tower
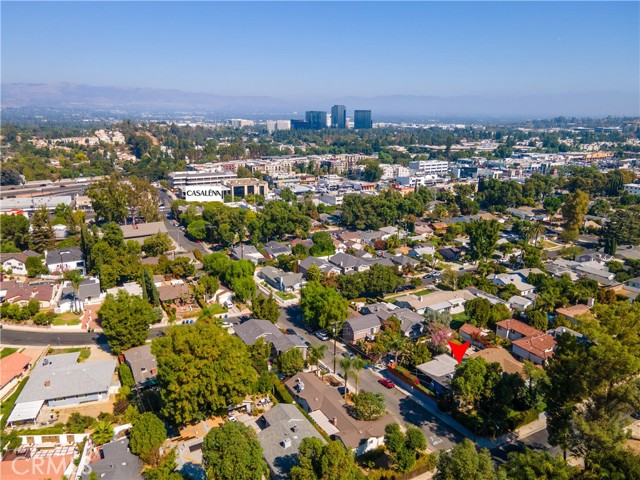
316, 120
362, 119
339, 116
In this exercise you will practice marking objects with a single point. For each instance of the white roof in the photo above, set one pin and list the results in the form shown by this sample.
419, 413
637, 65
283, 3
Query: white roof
439, 367
25, 411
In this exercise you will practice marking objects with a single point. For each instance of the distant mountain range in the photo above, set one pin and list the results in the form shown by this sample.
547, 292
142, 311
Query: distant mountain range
74, 96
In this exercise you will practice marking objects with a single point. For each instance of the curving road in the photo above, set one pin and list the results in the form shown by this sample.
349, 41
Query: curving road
10, 336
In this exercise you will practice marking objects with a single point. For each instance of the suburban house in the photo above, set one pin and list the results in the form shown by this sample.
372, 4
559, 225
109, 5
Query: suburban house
513, 329
115, 462
527, 342
12, 368
141, 231
282, 429
412, 324
174, 291
20, 293
519, 304
63, 260
538, 348
16, 263
280, 280
436, 374
571, 313
324, 266
471, 333
59, 380
252, 330
451, 254
437, 302
329, 410
348, 263
88, 293
501, 356
132, 288
143, 364
360, 328
419, 251
273, 250
247, 252
504, 279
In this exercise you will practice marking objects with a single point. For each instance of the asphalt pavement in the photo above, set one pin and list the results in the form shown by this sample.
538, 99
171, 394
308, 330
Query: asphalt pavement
21, 337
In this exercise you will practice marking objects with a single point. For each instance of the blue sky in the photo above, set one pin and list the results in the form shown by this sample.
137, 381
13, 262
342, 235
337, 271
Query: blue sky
328, 49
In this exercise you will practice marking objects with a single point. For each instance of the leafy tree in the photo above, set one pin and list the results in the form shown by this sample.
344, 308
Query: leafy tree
623, 227
147, 436
109, 199
323, 307
552, 204
537, 465
157, 244
499, 312
165, 470
42, 237
112, 234
314, 274
369, 405
372, 171
466, 462
125, 320
149, 288
479, 310
201, 370
403, 448
126, 375
320, 461
15, 228
244, 288
538, 320
322, 244
233, 452
483, 237
35, 266
291, 362
315, 353
198, 229
10, 176
103, 433
265, 308
574, 210
209, 285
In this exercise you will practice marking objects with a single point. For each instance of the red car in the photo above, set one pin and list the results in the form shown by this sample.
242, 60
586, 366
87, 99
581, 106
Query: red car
385, 382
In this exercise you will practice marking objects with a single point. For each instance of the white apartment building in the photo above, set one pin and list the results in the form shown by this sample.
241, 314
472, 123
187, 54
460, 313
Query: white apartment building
430, 167
632, 188
202, 177
240, 122
276, 125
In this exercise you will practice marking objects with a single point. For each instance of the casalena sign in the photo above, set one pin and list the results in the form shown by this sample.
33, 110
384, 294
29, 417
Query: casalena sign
204, 193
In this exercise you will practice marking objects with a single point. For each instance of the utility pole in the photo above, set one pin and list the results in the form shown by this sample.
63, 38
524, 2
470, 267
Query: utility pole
334, 348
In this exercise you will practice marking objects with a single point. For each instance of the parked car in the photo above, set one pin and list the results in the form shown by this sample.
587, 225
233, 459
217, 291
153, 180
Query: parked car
341, 390
385, 382
290, 331
227, 324
348, 355
322, 335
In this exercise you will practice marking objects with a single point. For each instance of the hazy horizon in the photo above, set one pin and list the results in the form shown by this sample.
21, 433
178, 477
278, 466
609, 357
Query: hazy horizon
310, 54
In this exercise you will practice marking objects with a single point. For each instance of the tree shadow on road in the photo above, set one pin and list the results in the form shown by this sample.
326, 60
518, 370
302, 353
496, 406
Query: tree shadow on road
417, 415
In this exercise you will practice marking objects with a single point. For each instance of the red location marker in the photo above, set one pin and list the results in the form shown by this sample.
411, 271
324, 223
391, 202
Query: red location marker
458, 350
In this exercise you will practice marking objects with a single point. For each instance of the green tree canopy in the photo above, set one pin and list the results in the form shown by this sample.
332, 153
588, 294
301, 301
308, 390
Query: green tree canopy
157, 244
324, 461
233, 452
322, 306
201, 370
466, 462
147, 435
125, 320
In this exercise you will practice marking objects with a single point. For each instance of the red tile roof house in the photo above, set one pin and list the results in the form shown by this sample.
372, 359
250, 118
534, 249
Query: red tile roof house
528, 343
513, 329
471, 333
538, 349
12, 368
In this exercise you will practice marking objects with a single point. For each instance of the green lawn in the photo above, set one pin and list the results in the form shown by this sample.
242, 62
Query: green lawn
84, 352
60, 320
426, 291
7, 351
458, 320
216, 308
285, 295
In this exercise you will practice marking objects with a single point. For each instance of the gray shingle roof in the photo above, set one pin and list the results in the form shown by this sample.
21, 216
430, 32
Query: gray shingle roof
60, 376
71, 254
251, 330
140, 358
280, 421
365, 322
118, 463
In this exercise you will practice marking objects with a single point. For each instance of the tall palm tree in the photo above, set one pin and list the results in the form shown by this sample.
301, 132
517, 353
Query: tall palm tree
357, 364
535, 230
346, 364
316, 353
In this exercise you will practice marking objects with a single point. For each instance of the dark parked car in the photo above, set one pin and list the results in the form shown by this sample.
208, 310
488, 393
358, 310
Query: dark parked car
290, 331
